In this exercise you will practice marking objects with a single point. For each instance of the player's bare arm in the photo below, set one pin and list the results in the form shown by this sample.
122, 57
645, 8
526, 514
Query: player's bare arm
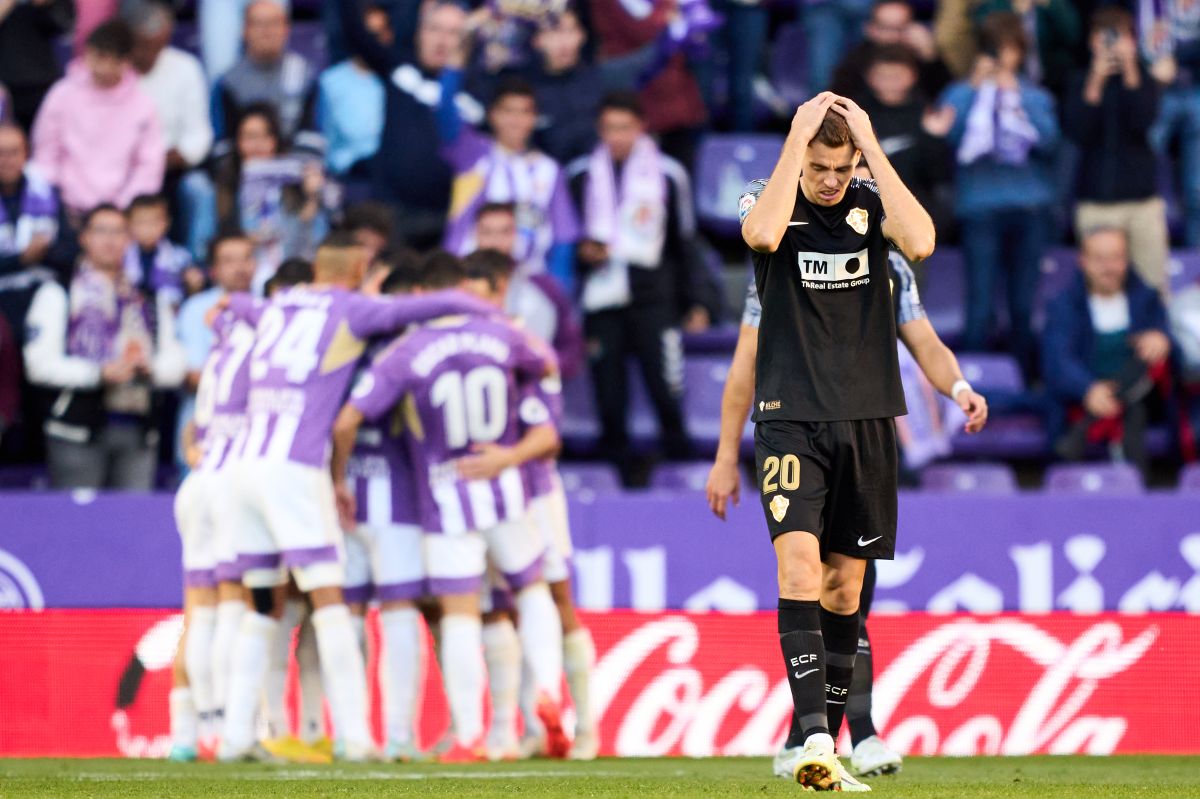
345, 431
489, 460
724, 483
767, 222
906, 224
941, 367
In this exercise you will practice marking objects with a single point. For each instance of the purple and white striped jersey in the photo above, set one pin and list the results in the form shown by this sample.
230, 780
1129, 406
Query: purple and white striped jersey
222, 391
307, 343
458, 382
543, 394
379, 471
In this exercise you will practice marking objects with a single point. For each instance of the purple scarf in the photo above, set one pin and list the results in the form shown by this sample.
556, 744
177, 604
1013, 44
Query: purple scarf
166, 272
38, 214
107, 317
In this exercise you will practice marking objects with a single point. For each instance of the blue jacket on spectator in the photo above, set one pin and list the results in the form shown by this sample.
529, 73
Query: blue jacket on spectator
987, 185
1068, 337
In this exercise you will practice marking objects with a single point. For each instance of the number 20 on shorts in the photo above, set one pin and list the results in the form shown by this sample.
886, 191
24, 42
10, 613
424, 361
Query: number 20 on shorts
785, 469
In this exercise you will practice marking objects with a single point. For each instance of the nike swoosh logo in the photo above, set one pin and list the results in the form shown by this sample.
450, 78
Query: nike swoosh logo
862, 543
805, 674
793, 224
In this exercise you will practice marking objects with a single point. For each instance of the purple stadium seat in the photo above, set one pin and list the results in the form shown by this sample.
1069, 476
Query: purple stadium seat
597, 478
1094, 478
720, 338
788, 68
691, 476
1184, 268
991, 371
1017, 436
1189, 478
724, 165
704, 382
943, 291
1059, 267
977, 478
308, 39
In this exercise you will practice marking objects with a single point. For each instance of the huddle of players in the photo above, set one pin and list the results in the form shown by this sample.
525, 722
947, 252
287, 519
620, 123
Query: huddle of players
432, 481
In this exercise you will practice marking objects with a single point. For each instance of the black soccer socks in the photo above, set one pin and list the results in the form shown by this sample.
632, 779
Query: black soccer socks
804, 658
858, 704
841, 642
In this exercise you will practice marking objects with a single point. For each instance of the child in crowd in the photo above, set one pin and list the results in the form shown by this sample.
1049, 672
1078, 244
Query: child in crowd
154, 262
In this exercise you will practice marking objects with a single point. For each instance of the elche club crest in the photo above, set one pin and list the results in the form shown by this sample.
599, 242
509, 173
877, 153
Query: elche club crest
858, 220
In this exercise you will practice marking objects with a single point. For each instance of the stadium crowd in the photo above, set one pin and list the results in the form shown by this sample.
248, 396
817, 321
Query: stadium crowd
153, 159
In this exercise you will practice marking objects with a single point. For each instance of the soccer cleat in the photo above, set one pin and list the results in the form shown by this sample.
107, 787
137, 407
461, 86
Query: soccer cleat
255, 753
849, 784
817, 767
293, 750
324, 745
360, 753
501, 746
585, 746
183, 754
872, 757
558, 745
784, 764
458, 753
405, 753
533, 746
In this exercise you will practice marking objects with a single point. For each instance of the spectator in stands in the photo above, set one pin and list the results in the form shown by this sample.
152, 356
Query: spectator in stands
350, 108
408, 172
636, 256
6, 106
1004, 133
268, 73
832, 27
1108, 112
154, 263
174, 80
537, 299
893, 98
216, 18
891, 23
28, 63
231, 266
1052, 31
10, 378
1171, 40
1105, 347
281, 201
35, 240
503, 168
568, 89
104, 347
669, 92
371, 225
97, 136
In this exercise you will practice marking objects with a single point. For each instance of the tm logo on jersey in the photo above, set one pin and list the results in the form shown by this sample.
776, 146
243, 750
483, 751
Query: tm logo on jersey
824, 271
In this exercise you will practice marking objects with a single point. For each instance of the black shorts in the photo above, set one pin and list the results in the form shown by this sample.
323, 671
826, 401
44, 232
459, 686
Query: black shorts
836, 480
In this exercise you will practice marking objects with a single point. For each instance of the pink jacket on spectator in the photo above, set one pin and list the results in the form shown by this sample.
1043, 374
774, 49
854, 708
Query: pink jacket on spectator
98, 145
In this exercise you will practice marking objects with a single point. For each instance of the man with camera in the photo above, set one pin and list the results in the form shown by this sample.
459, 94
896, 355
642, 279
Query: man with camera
1109, 111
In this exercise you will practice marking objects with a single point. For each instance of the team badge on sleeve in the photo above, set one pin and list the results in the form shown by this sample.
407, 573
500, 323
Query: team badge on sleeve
857, 219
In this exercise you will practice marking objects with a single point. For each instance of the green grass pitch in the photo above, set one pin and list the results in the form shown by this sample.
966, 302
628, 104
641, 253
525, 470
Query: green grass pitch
926, 778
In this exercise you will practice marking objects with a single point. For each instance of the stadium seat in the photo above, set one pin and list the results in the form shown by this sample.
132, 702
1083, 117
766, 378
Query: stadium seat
724, 165
1184, 268
975, 478
704, 382
943, 290
597, 478
991, 372
1094, 478
1189, 478
719, 338
692, 476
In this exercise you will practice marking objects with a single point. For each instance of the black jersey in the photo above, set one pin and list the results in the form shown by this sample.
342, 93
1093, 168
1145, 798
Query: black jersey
827, 340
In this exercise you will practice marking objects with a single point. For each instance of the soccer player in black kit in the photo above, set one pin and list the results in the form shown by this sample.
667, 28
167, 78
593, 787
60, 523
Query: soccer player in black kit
827, 391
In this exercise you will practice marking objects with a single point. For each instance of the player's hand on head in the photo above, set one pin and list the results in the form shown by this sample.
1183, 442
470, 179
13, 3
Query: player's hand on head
486, 462
975, 407
723, 487
861, 132
808, 118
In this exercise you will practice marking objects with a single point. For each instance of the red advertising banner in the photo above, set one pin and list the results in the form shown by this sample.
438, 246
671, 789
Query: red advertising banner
89, 683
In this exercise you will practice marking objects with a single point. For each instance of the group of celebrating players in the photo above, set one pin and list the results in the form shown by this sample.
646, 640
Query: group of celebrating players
438, 418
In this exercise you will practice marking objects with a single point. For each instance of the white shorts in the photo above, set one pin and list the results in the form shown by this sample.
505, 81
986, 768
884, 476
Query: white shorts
285, 518
193, 517
385, 561
221, 500
456, 564
549, 513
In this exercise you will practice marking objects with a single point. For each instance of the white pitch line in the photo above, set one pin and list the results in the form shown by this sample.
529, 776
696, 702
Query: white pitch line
330, 774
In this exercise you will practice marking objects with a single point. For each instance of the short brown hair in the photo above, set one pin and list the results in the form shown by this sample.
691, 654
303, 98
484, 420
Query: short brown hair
1000, 29
834, 132
1112, 18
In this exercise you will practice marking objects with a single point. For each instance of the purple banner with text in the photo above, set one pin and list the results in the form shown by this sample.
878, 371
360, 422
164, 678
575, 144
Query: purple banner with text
652, 551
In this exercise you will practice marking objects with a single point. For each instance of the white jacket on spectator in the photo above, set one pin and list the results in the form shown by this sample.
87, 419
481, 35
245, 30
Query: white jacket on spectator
179, 90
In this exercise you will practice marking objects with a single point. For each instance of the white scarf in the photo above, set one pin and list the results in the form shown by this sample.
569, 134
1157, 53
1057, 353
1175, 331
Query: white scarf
630, 219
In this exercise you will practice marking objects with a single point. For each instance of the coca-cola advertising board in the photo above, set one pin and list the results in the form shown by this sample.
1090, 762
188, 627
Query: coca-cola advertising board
91, 683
